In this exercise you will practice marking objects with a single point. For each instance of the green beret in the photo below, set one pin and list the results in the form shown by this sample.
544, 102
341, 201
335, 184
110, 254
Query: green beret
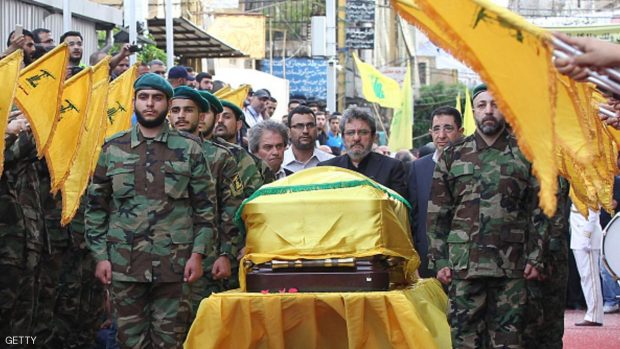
152, 81
238, 112
185, 92
478, 90
214, 102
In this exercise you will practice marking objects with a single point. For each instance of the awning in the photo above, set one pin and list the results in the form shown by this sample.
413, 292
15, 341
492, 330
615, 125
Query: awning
190, 41
610, 32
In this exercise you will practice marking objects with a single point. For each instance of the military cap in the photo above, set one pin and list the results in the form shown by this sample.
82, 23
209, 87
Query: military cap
238, 112
214, 102
478, 90
185, 92
152, 81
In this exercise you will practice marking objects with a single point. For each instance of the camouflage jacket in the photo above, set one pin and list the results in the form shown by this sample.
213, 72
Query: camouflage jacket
483, 215
250, 174
227, 193
557, 243
52, 208
21, 214
148, 207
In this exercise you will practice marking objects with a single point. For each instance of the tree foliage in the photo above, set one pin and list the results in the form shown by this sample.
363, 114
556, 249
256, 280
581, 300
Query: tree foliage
432, 97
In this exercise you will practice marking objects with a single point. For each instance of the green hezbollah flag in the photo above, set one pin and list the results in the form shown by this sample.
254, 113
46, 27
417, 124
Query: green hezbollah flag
402, 122
377, 87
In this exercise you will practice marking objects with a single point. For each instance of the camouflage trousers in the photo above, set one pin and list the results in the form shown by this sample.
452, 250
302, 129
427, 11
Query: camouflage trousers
46, 292
487, 312
17, 289
78, 311
151, 315
546, 301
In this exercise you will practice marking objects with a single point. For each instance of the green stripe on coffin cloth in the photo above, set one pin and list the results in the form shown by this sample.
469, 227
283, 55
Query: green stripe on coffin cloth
326, 212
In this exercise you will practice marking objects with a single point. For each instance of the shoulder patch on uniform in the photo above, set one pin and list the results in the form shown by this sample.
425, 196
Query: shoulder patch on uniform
236, 186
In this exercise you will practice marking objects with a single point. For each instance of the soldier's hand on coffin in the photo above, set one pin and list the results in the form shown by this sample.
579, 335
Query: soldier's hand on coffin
193, 268
531, 273
221, 268
444, 275
103, 272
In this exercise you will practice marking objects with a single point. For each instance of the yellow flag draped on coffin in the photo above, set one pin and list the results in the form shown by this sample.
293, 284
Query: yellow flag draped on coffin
77, 180
120, 102
491, 40
401, 128
66, 139
39, 94
469, 124
236, 96
9, 71
332, 228
376, 87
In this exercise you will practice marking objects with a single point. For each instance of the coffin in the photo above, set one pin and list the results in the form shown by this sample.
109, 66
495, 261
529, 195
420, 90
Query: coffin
300, 227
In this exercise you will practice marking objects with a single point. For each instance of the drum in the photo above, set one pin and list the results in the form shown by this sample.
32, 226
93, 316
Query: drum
611, 247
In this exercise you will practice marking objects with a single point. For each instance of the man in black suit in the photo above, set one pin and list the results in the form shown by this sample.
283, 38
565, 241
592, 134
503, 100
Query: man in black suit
446, 127
358, 129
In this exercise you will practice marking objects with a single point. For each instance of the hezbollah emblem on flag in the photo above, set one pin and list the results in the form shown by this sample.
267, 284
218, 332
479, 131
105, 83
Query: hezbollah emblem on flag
115, 109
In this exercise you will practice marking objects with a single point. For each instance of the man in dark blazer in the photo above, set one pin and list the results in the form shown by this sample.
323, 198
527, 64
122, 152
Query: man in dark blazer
358, 129
446, 127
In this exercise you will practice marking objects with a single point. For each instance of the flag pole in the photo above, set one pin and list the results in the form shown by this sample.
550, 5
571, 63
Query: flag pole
378, 116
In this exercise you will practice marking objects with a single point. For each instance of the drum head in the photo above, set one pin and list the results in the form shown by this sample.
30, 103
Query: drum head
611, 246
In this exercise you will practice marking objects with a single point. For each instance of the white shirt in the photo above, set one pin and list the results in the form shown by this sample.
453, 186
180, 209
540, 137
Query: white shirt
291, 164
280, 173
252, 117
436, 155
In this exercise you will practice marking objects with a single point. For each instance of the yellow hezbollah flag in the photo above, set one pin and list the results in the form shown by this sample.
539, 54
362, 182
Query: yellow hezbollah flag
66, 139
458, 102
74, 185
120, 102
224, 90
236, 96
402, 122
469, 124
39, 94
9, 70
376, 87
493, 40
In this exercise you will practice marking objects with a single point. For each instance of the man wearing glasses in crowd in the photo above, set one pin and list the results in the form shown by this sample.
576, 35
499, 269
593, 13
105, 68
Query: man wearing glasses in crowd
302, 153
158, 67
359, 129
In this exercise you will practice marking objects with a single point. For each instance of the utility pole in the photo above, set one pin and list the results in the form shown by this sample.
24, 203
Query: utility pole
342, 58
169, 35
66, 15
332, 61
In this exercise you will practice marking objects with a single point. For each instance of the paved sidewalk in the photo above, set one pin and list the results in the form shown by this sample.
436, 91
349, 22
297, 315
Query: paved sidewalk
605, 337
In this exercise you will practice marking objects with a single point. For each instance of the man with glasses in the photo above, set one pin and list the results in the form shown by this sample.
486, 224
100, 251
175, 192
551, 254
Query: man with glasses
359, 128
302, 153
446, 128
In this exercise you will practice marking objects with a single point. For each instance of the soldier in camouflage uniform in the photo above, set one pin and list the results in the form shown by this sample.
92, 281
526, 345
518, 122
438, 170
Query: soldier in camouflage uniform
486, 231
148, 221
546, 298
22, 237
185, 115
253, 172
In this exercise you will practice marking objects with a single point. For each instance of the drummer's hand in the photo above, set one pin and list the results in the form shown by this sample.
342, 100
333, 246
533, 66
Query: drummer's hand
221, 268
444, 275
531, 273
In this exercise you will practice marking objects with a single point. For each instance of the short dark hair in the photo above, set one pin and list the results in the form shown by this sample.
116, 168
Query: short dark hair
333, 116
458, 119
24, 33
36, 32
301, 109
271, 99
203, 75
295, 101
71, 33
358, 114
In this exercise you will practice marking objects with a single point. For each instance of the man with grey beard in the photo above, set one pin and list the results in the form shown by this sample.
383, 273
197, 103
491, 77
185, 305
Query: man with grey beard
358, 129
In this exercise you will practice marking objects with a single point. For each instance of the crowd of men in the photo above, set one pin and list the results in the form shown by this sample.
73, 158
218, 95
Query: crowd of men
155, 233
